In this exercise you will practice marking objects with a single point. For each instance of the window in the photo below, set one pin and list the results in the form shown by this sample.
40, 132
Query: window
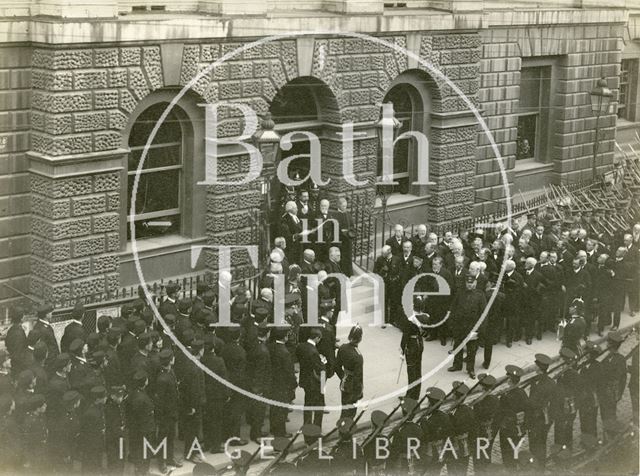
403, 106
158, 198
295, 102
628, 86
533, 113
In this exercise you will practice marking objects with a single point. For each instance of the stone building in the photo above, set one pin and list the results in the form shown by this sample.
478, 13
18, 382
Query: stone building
81, 88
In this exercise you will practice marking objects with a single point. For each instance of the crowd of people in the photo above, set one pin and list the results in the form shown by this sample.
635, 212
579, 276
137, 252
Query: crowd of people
104, 396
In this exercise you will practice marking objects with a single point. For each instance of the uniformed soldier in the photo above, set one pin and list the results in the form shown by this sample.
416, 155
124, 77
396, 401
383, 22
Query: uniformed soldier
283, 381
566, 400
192, 397
463, 434
327, 345
16, 339
514, 405
216, 394
140, 360
34, 434
75, 329
349, 367
115, 429
542, 393
37, 367
56, 411
587, 389
485, 410
259, 373
112, 371
613, 378
166, 403
312, 371
70, 431
574, 328
168, 305
411, 347
80, 370
235, 359
436, 427
10, 455
140, 422
92, 432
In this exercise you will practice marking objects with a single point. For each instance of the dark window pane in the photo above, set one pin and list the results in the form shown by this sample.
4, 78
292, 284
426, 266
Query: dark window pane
401, 156
169, 131
165, 225
156, 157
156, 191
530, 89
526, 139
295, 102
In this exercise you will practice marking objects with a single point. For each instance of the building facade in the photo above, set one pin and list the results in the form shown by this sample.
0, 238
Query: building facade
83, 87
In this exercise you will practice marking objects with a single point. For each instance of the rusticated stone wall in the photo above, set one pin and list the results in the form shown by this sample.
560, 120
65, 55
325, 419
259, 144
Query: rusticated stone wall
581, 54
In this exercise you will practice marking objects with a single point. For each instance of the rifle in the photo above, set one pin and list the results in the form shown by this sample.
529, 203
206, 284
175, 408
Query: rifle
379, 425
284, 447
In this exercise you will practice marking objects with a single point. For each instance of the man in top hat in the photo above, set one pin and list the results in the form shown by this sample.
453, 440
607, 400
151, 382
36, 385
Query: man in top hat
166, 402
349, 367
387, 267
436, 427
92, 432
312, 375
540, 415
139, 410
575, 327
613, 378
485, 412
283, 381
259, 378
514, 405
43, 327
75, 329
467, 308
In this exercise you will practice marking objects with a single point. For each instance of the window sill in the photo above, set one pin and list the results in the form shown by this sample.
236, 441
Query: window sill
150, 247
531, 166
400, 201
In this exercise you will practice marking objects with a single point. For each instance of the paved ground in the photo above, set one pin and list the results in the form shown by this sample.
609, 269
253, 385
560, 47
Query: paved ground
384, 376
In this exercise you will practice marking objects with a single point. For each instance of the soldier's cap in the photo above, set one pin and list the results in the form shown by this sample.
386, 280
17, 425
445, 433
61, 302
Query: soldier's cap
279, 333
33, 402
543, 360
470, 278
184, 305
172, 287
98, 392
196, 345
233, 333
169, 319
615, 336
486, 380
98, 357
260, 313
140, 376
144, 339
514, 371
165, 356
203, 469
435, 394
93, 340
355, 334
345, 426
568, 354
208, 297
117, 390
459, 388
61, 361
592, 347
70, 397
76, 346
25, 377
202, 287
138, 304
78, 311
291, 298
5, 403
44, 309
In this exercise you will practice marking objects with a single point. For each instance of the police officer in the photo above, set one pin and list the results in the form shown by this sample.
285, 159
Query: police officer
540, 416
485, 411
166, 404
349, 367
514, 404
613, 378
283, 381
92, 432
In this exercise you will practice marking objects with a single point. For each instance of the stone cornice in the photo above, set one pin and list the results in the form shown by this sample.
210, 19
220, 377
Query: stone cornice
77, 164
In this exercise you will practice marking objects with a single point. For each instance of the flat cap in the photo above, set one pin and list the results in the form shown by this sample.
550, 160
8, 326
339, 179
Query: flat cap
44, 309
514, 371
543, 360
488, 381
165, 356
184, 305
460, 388
568, 354
592, 347
61, 361
76, 346
172, 287
434, 393
98, 357
615, 337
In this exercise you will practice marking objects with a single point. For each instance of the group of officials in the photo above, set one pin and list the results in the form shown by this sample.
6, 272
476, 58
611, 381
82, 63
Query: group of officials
101, 397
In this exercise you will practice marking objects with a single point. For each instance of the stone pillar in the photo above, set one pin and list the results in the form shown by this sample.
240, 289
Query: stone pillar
75, 225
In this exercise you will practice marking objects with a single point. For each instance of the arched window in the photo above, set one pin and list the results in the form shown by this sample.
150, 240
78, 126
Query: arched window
408, 109
159, 198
